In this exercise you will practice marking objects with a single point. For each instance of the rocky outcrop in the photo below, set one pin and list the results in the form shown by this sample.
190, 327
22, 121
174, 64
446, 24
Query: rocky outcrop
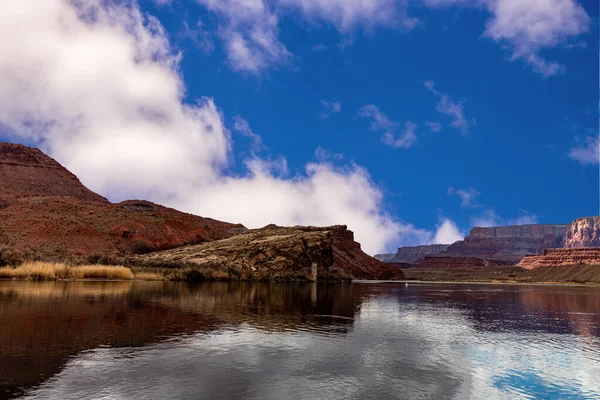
412, 254
457, 262
280, 253
558, 257
508, 243
584, 232
45, 212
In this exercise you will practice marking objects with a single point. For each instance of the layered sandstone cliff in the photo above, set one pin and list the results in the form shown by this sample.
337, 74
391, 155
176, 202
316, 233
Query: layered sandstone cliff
584, 232
558, 257
280, 253
508, 243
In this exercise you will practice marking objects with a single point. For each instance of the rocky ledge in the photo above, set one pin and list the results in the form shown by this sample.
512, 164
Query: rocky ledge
276, 253
561, 257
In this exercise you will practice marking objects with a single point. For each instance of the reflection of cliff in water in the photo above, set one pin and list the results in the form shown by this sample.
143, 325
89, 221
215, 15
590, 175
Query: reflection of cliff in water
44, 324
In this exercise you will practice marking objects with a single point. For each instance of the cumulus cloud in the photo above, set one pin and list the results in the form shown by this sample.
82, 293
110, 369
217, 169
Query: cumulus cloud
380, 122
587, 151
449, 107
96, 85
467, 196
447, 233
526, 27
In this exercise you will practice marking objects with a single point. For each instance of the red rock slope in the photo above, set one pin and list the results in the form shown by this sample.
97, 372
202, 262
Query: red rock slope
46, 212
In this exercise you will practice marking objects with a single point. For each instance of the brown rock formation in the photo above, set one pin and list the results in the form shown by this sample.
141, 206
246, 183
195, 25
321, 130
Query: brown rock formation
46, 212
280, 253
558, 257
584, 232
508, 243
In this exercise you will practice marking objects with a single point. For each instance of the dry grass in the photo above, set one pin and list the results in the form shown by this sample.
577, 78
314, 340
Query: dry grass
148, 276
40, 271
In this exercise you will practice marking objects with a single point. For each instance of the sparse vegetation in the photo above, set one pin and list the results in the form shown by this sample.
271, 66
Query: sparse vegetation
40, 271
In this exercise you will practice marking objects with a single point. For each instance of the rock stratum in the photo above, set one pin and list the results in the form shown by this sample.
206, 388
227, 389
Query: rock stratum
47, 213
566, 256
277, 253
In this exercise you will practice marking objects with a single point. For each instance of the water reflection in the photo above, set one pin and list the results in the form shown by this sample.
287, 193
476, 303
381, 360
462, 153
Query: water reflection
241, 340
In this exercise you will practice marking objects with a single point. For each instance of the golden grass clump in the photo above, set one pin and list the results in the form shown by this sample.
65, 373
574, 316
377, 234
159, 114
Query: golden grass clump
39, 271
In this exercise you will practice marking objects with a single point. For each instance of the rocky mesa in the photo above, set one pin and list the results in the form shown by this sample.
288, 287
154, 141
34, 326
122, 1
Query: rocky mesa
508, 244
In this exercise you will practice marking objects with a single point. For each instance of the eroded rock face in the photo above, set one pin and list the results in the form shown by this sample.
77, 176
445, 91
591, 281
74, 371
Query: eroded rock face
584, 232
46, 212
281, 253
562, 257
508, 243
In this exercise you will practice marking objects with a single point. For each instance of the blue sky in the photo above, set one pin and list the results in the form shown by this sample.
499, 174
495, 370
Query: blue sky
410, 121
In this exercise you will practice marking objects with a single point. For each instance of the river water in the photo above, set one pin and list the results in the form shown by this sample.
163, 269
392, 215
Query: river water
164, 340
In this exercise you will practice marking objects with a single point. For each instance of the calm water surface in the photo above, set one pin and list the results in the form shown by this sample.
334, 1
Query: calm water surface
157, 340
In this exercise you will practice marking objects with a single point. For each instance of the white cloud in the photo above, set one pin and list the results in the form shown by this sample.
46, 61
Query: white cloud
347, 15
250, 34
96, 85
380, 122
433, 126
449, 107
587, 152
447, 233
526, 27
467, 196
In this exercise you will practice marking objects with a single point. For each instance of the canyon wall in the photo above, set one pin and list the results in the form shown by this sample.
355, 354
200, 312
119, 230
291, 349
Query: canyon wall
508, 243
412, 254
584, 232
